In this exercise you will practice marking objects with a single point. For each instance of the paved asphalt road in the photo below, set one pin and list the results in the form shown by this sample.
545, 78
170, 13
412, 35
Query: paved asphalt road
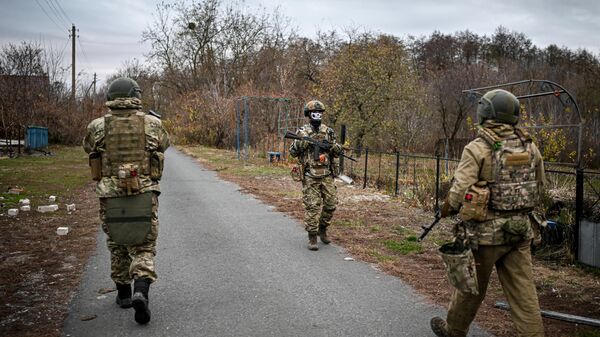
229, 265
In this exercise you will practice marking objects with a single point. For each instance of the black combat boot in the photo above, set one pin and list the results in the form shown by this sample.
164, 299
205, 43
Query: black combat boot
124, 295
323, 235
312, 242
140, 300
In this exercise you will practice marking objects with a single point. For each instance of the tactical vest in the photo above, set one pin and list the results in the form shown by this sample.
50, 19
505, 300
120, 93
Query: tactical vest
514, 186
125, 144
317, 166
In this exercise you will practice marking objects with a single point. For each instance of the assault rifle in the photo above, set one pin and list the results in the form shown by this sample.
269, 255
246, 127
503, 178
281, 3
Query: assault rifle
154, 113
427, 229
318, 146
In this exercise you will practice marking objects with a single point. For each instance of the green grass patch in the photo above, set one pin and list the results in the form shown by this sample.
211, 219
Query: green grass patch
60, 174
403, 231
589, 333
226, 160
376, 229
380, 257
404, 247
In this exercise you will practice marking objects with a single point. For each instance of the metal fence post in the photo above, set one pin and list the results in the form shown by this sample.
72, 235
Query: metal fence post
342, 141
397, 171
246, 131
578, 210
437, 183
237, 132
366, 163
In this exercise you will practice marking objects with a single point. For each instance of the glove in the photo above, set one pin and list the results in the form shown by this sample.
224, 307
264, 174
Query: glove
447, 210
325, 145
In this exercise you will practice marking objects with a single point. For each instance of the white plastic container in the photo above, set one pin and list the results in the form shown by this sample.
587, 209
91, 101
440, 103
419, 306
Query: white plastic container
24, 202
62, 230
25, 208
52, 199
13, 211
71, 207
47, 208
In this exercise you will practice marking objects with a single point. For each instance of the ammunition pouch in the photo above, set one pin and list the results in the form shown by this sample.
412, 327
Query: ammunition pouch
475, 203
157, 163
460, 265
129, 179
129, 219
95, 162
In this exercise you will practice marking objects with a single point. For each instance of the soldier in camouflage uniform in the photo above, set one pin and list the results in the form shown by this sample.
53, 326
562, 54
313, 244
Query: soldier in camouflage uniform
318, 169
505, 166
126, 149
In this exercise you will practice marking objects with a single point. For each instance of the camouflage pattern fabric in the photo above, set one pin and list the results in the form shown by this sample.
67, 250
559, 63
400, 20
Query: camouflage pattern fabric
514, 268
156, 140
460, 266
320, 200
514, 186
131, 262
502, 240
476, 166
305, 151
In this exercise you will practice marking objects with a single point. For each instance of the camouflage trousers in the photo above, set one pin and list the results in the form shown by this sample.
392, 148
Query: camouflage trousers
320, 199
129, 262
513, 265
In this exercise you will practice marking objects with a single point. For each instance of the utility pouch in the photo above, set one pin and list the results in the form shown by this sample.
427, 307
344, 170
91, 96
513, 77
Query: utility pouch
538, 221
129, 219
95, 162
460, 265
129, 179
296, 173
335, 168
475, 203
516, 229
157, 163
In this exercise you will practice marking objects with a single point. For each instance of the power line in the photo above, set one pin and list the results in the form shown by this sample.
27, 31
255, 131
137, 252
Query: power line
56, 13
85, 57
63, 11
49, 17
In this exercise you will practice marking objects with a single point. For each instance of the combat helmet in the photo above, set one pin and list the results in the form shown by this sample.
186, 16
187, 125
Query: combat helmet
500, 106
123, 87
313, 105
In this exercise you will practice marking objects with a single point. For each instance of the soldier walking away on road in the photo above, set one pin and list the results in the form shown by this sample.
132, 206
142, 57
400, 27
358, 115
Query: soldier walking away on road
318, 168
498, 183
125, 149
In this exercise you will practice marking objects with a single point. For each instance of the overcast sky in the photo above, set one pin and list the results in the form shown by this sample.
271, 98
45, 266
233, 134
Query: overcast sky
110, 31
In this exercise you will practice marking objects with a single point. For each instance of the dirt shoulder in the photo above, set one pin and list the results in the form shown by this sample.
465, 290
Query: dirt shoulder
39, 269
381, 230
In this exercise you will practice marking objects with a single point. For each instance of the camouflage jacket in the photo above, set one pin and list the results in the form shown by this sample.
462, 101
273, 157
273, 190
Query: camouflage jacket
157, 140
305, 152
475, 166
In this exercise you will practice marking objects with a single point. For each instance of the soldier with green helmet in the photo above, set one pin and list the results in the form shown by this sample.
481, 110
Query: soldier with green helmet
496, 186
318, 170
126, 154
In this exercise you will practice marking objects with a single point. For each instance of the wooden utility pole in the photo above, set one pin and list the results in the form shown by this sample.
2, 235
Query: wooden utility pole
73, 64
94, 95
